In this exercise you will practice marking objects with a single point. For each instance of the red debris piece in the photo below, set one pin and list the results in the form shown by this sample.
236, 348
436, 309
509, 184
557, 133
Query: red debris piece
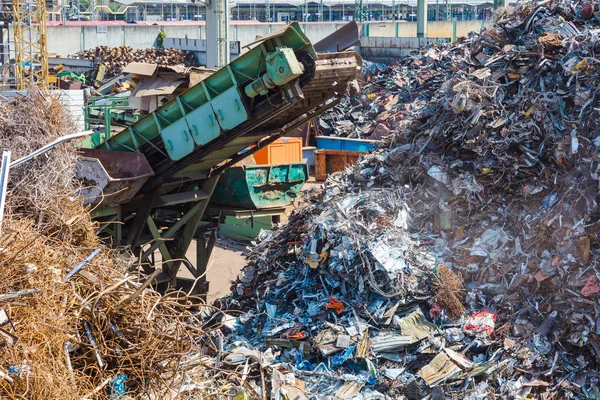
336, 305
592, 286
297, 336
482, 321
435, 310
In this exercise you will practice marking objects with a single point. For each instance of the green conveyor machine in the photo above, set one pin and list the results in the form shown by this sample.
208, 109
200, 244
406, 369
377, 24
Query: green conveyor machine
151, 182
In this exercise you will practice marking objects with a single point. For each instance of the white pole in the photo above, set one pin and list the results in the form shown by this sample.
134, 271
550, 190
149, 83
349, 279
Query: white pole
3, 183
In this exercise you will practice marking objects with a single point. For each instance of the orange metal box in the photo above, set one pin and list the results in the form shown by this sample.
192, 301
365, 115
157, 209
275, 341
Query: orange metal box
282, 151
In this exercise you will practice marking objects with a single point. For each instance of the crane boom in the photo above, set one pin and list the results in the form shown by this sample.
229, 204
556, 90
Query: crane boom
31, 47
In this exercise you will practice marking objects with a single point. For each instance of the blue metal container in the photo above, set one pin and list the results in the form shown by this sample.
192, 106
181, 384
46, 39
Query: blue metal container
335, 143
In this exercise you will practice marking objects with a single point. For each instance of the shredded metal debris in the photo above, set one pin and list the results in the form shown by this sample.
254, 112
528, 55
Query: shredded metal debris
458, 260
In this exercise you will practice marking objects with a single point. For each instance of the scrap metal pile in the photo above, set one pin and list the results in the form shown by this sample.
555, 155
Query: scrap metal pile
117, 58
364, 116
458, 260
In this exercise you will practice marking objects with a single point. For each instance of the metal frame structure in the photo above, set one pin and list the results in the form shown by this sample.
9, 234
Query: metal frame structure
169, 223
102, 107
31, 47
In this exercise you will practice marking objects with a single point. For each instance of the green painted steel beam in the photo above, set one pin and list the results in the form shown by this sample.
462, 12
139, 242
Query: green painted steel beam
197, 208
181, 198
241, 214
164, 252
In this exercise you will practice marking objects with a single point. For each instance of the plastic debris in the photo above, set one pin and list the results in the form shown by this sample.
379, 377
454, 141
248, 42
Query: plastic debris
117, 387
336, 305
481, 321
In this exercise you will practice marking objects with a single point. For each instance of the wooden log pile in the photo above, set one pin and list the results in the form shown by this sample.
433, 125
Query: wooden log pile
117, 58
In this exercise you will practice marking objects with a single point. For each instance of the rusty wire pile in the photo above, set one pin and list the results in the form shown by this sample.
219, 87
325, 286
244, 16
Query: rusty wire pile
103, 332
26, 124
75, 339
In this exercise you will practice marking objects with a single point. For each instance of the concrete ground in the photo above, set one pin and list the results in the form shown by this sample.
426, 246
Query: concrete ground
224, 266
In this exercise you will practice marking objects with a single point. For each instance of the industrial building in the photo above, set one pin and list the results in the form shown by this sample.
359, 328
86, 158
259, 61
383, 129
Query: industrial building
273, 11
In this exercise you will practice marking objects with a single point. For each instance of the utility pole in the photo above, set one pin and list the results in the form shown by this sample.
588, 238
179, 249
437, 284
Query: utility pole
305, 17
321, 11
217, 30
448, 18
421, 18
268, 10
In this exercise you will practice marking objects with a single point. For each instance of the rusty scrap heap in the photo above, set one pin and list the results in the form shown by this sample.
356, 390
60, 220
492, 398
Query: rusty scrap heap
458, 260
117, 58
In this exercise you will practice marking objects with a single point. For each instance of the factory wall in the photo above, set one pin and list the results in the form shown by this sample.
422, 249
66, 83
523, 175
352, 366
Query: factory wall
65, 40
441, 29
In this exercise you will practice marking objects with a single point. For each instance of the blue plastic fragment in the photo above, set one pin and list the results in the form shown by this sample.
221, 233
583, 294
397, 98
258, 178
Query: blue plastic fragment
117, 387
342, 357
550, 200
301, 364
305, 282
372, 372
305, 366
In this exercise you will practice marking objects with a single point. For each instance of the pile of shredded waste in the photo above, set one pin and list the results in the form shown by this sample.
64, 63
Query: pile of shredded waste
459, 260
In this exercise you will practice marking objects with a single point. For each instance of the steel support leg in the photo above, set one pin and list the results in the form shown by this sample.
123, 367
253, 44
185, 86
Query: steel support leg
164, 252
174, 243
204, 250
141, 217
197, 208
183, 245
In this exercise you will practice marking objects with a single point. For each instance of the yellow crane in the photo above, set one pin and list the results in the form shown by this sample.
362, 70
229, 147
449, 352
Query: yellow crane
31, 47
